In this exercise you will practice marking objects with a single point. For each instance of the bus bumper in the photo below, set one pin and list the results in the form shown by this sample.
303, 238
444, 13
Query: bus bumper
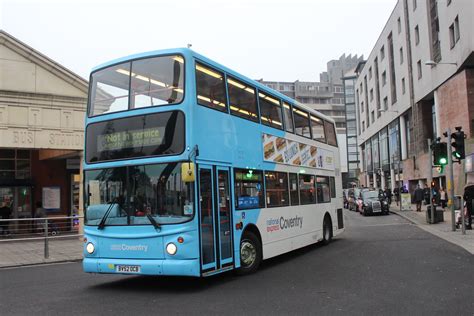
189, 267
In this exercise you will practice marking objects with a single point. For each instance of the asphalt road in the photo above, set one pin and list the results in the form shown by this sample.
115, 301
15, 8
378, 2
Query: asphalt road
381, 265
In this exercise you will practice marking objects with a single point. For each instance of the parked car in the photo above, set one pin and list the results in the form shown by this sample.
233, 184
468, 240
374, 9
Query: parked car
371, 202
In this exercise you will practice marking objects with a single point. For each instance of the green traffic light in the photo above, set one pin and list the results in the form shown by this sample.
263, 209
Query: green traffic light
443, 161
457, 155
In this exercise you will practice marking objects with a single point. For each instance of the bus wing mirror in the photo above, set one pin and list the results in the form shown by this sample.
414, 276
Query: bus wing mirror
187, 172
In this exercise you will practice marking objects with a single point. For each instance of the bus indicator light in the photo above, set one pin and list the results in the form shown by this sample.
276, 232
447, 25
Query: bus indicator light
180, 239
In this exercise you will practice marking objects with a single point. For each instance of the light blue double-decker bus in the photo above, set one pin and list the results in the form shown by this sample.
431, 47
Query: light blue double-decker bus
193, 169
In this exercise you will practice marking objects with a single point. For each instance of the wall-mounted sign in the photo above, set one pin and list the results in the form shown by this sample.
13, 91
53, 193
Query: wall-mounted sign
469, 166
285, 151
52, 198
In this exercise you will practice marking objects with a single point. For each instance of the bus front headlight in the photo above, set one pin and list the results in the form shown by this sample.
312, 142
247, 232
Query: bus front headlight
171, 249
90, 248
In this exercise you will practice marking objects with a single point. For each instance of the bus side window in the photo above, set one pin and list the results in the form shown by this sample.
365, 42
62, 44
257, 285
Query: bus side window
301, 123
332, 183
294, 197
270, 111
288, 117
317, 127
210, 88
242, 99
276, 188
248, 189
330, 133
307, 189
323, 190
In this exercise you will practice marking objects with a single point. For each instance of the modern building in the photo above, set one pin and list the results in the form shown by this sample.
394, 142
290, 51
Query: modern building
417, 82
42, 108
351, 178
326, 96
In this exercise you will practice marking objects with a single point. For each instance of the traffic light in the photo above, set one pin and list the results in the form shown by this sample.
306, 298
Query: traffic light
458, 144
440, 153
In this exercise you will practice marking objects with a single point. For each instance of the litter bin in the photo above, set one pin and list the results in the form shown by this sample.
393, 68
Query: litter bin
438, 215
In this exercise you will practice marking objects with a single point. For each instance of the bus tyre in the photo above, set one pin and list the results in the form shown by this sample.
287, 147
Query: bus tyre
250, 254
327, 231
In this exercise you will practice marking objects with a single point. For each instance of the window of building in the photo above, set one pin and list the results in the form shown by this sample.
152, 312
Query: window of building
270, 111
323, 190
294, 196
15, 164
414, 5
371, 94
382, 53
210, 88
248, 189
301, 123
317, 127
401, 55
448, 3
403, 85
242, 99
362, 106
276, 189
417, 35
373, 116
454, 32
370, 73
420, 74
307, 189
361, 90
288, 115
384, 78
385, 103
330, 133
399, 23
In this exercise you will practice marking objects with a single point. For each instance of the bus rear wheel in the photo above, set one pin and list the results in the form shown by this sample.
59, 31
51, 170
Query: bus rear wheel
250, 254
327, 230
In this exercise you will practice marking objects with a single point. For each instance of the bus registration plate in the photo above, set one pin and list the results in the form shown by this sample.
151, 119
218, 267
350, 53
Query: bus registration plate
129, 269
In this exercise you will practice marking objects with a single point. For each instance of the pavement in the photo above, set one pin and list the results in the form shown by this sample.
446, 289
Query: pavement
32, 252
23, 253
442, 230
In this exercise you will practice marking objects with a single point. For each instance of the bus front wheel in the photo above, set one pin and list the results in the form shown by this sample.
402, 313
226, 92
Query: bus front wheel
250, 253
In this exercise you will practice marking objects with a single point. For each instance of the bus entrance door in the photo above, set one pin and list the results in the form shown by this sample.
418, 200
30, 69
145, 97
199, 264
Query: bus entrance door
215, 218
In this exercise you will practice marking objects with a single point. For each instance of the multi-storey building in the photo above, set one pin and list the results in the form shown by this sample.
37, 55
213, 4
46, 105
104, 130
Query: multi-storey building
417, 81
328, 97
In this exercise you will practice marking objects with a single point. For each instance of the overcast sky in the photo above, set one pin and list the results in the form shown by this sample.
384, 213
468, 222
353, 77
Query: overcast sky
277, 40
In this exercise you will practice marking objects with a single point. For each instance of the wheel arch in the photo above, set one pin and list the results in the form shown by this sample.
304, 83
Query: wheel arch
253, 229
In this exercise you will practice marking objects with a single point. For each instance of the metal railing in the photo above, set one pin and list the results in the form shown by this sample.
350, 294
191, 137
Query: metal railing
44, 228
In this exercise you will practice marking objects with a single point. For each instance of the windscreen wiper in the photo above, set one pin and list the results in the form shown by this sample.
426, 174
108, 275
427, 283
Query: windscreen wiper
153, 221
104, 218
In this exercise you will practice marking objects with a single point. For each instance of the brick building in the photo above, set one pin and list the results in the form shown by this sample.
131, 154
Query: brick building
416, 83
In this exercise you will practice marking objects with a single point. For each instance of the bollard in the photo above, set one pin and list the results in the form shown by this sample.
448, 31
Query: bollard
46, 246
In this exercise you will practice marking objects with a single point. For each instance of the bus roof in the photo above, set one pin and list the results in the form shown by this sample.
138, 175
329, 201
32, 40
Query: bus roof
190, 53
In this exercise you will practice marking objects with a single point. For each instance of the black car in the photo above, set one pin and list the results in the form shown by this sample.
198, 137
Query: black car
372, 203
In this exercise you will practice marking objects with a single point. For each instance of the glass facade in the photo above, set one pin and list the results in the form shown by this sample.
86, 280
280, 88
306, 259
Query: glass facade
351, 132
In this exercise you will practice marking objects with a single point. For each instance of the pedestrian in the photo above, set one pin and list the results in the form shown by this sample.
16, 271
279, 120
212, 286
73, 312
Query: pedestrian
40, 213
5, 213
468, 198
426, 193
396, 193
388, 195
442, 198
418, 197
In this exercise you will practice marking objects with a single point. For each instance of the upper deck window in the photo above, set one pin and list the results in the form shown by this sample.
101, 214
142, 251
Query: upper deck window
270, 111
242, 99
288, 118
140, 83
330, 133
317, 127
210, 88
301, 123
